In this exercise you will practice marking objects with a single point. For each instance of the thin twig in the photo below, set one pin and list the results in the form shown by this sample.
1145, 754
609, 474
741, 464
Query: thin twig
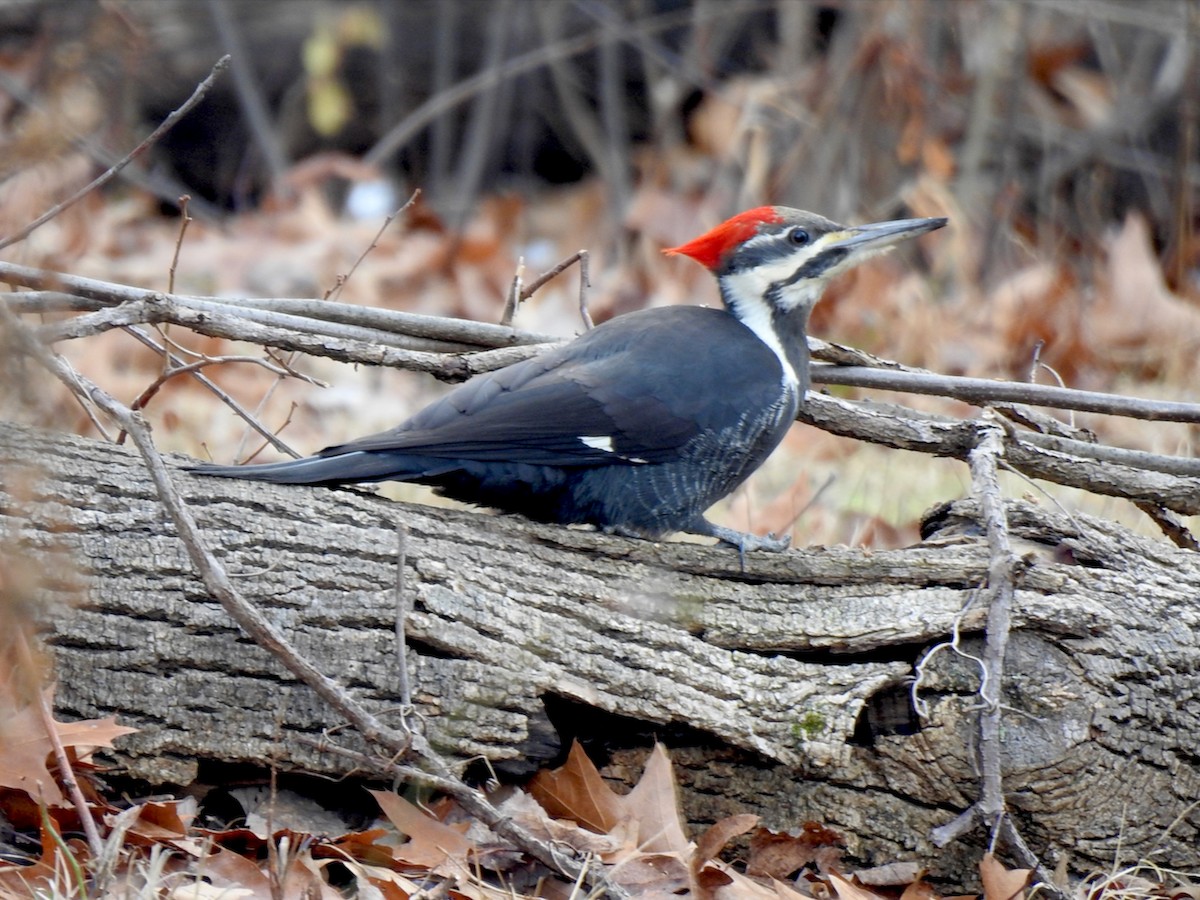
262, 404
167, 124
238, 410
1169, 524
184, 221
557, 269
990, 807
66, 773
584, 283
341, 280
165, 187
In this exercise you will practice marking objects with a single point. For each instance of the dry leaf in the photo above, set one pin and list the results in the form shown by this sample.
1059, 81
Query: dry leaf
721, 832
654, 804
651, 872
430, 842
24, 747
576, 792
1137, 317
1000, 883
242, 877
891, 874
526, 812
779, 854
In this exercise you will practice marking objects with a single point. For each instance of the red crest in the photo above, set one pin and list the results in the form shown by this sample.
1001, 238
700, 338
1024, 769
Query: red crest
712, 246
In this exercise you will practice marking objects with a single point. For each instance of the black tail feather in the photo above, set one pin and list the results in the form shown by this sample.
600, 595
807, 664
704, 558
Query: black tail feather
345, 468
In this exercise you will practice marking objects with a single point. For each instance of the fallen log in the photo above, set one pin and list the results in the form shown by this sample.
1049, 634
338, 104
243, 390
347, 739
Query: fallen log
783, 690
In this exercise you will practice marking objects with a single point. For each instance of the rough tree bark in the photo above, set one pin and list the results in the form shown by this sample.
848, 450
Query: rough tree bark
778, 688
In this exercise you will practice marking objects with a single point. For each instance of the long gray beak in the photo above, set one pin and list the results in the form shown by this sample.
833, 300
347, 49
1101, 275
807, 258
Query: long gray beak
884, 234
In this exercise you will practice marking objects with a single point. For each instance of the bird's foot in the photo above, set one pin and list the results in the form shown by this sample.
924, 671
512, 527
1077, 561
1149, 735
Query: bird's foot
745, 542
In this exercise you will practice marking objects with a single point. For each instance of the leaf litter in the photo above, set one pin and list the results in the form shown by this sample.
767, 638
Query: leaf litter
638, 839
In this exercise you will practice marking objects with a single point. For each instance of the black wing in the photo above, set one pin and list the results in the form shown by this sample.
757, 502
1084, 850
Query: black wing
628, 392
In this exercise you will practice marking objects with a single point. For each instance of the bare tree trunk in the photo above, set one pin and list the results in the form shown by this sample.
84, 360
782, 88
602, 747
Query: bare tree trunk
784, 690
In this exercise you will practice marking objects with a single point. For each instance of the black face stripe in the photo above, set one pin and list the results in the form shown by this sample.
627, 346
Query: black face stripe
823, 261
811, 269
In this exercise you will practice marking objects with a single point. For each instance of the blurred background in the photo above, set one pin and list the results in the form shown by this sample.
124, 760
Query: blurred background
1059, 136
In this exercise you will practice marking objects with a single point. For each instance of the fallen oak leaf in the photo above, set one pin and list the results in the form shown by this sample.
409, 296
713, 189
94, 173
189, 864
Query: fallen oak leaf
575, 791
654, 804
720, 833
24, 747
430, 842
779, 854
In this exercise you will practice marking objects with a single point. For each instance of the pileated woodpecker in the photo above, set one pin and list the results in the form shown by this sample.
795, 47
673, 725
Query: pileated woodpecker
641, 424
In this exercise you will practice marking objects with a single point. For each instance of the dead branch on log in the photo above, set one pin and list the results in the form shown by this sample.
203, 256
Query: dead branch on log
452, 350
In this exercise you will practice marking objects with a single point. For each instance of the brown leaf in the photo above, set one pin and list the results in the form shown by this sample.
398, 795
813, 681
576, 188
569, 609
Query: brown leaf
430, 842
232, 872
654, 804
651, 873
777, 855
576, 791
24, 747
710, 878
1000, 883
362, 846
720, 833
1136, 318
526, 812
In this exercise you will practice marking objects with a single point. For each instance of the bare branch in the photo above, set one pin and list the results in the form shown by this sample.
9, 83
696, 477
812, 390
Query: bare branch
167, 124
342, 279
469, 335
983, 391
220, 394
1170, 525
906, 429
184, 221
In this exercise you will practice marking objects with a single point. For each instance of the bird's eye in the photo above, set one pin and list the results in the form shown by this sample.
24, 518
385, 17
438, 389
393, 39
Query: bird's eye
799, 237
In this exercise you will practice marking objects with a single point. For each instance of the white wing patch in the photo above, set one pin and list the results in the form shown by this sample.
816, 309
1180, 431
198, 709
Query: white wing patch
604, 443
599, 442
